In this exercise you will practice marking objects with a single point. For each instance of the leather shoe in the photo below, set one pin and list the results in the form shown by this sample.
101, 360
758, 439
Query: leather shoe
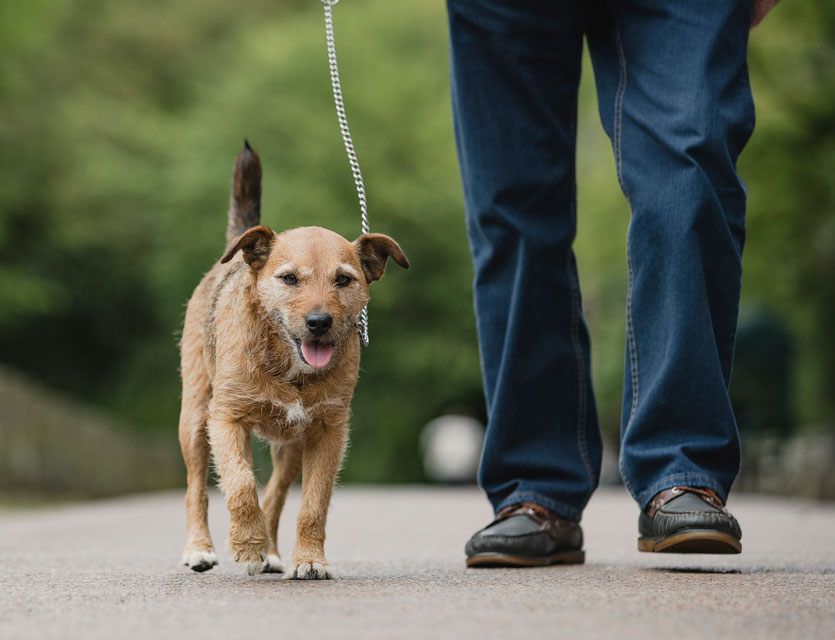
526, 535
688, 520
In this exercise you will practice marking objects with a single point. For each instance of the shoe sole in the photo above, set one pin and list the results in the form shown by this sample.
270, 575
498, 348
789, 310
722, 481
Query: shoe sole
486, 560
696, 541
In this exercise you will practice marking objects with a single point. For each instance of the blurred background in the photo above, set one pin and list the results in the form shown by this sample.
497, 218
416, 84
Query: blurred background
119, 125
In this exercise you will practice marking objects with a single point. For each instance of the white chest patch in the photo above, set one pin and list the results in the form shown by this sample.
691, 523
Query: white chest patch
296, 413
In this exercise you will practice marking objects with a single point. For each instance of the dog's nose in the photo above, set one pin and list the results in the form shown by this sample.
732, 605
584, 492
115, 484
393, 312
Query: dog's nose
318, 323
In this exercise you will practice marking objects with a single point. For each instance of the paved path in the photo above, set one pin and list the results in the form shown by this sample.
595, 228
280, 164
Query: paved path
108, 569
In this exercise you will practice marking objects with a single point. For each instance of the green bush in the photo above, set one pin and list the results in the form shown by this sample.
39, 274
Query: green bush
120, 124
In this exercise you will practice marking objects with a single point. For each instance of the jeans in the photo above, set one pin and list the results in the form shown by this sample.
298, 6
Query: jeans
674, 98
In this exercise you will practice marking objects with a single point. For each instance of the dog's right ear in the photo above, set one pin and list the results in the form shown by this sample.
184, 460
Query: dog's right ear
255, 244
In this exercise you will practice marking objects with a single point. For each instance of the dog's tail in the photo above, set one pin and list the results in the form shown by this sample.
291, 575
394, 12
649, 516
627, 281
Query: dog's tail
245, 199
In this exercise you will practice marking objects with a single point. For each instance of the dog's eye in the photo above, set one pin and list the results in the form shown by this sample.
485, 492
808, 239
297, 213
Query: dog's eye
290, 278
342, 280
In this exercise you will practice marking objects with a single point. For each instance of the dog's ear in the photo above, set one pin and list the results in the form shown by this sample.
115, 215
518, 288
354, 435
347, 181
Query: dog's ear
255, 244
374, 249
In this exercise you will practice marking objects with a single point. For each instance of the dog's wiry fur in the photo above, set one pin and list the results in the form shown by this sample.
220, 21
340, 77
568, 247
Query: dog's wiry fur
247, 329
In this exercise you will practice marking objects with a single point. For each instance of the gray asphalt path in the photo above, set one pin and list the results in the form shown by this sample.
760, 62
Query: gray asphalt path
109, 569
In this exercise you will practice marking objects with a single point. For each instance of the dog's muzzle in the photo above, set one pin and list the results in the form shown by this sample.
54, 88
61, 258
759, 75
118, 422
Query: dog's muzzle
318, 323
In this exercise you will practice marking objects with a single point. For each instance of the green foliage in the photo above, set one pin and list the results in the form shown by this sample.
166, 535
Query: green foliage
120, 124
789, 167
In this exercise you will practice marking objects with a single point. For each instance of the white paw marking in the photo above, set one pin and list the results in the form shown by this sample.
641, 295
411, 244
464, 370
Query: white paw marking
308, 571
251, 567
200, 560
273, 564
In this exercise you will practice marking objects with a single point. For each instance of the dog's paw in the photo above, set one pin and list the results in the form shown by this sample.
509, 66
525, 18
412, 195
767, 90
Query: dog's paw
248, 539
309, 571
251, 563
273, 564
199, 560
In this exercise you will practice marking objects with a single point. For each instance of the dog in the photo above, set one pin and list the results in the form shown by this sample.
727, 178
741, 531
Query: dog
270, 346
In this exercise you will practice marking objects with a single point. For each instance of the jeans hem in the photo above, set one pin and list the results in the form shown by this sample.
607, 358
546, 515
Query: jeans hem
689, 479
560, 508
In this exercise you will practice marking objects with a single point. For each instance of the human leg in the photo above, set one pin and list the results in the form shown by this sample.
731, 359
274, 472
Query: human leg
674, 97
515, 71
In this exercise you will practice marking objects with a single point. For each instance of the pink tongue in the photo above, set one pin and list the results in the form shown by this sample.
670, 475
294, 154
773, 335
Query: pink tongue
317, 354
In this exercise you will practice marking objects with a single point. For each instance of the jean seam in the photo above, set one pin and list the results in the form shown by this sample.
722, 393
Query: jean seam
633, 362
582, 401
696, 479
540, 499
617, 133
582, 409
617, 140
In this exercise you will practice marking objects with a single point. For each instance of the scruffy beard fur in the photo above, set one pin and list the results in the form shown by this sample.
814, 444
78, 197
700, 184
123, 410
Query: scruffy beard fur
270, 347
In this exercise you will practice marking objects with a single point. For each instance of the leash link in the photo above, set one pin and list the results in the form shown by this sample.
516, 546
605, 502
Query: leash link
362, 319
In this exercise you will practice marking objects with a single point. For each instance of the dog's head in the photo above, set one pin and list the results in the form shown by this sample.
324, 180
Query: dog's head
313, 283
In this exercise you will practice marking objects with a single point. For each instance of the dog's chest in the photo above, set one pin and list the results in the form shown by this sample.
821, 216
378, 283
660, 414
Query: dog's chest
296, 414
281, 421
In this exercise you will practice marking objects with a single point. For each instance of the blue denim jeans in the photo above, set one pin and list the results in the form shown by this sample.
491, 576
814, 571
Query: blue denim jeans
674, 98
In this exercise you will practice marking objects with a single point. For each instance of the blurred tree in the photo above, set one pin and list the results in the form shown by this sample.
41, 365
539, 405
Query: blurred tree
120, 124
789, 167
762, 386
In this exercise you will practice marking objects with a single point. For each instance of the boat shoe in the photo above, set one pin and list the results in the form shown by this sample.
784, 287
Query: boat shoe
526, 535
688, 520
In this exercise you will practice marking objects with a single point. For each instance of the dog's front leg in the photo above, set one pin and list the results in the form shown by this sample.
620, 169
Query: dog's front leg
248, 537
324, 448
287, 465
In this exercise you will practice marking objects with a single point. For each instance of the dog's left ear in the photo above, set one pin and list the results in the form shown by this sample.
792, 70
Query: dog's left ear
374, 249
255, 245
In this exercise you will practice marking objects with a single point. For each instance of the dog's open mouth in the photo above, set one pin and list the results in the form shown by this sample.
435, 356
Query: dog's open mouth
315, 353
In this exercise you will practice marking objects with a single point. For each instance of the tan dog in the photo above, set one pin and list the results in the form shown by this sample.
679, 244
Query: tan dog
270, 346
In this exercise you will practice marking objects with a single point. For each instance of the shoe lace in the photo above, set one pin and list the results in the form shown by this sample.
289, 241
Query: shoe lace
663, 497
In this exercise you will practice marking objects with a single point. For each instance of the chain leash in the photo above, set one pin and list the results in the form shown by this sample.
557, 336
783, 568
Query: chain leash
362, 319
